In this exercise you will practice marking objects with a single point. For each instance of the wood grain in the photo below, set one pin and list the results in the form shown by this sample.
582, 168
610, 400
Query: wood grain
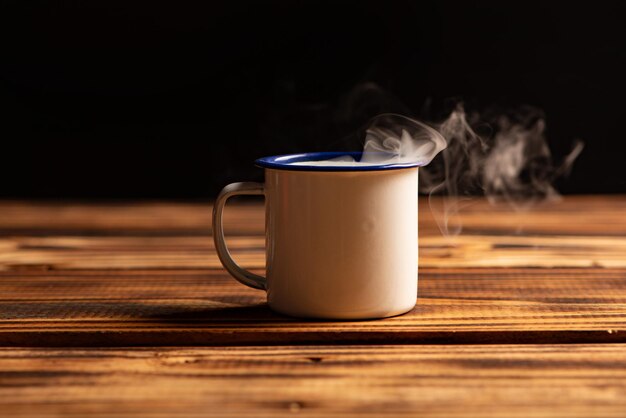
576, 232
523, 314
106, 253
574, 215
123, 218
114, 274
206, 307
347, 381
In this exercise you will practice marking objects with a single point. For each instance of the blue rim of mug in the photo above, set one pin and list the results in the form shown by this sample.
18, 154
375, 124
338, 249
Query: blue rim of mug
285, 162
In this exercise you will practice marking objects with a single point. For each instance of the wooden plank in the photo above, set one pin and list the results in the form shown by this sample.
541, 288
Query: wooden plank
148, 276
574, 215
348, 381
124, 218
76, 252
107, 275
206, 307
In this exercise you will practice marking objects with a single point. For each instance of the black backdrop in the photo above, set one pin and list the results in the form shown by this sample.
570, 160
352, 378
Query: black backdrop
172, 99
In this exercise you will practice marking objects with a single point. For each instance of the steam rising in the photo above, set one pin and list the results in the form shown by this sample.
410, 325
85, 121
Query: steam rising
502, 156
393, 138
511, 163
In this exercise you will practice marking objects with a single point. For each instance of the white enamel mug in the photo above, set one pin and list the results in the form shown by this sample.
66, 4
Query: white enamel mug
341, 240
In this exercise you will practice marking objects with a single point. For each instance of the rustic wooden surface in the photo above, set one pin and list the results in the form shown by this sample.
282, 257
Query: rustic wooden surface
346, 381
522, 314
198, 307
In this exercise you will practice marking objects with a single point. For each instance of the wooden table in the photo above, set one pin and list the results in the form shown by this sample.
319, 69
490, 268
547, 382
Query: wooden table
124, 309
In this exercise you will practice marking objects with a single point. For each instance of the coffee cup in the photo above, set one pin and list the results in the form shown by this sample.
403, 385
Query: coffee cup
341, 238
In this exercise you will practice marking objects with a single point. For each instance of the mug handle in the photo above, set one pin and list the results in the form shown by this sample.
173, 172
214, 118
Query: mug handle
243, 276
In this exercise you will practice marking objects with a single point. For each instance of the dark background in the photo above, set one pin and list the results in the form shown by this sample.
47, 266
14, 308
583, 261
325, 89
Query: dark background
105, 99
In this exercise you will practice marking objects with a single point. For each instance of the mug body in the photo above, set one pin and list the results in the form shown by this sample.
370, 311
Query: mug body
341, 244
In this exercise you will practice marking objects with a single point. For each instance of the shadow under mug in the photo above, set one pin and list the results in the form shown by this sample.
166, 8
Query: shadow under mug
341, 241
